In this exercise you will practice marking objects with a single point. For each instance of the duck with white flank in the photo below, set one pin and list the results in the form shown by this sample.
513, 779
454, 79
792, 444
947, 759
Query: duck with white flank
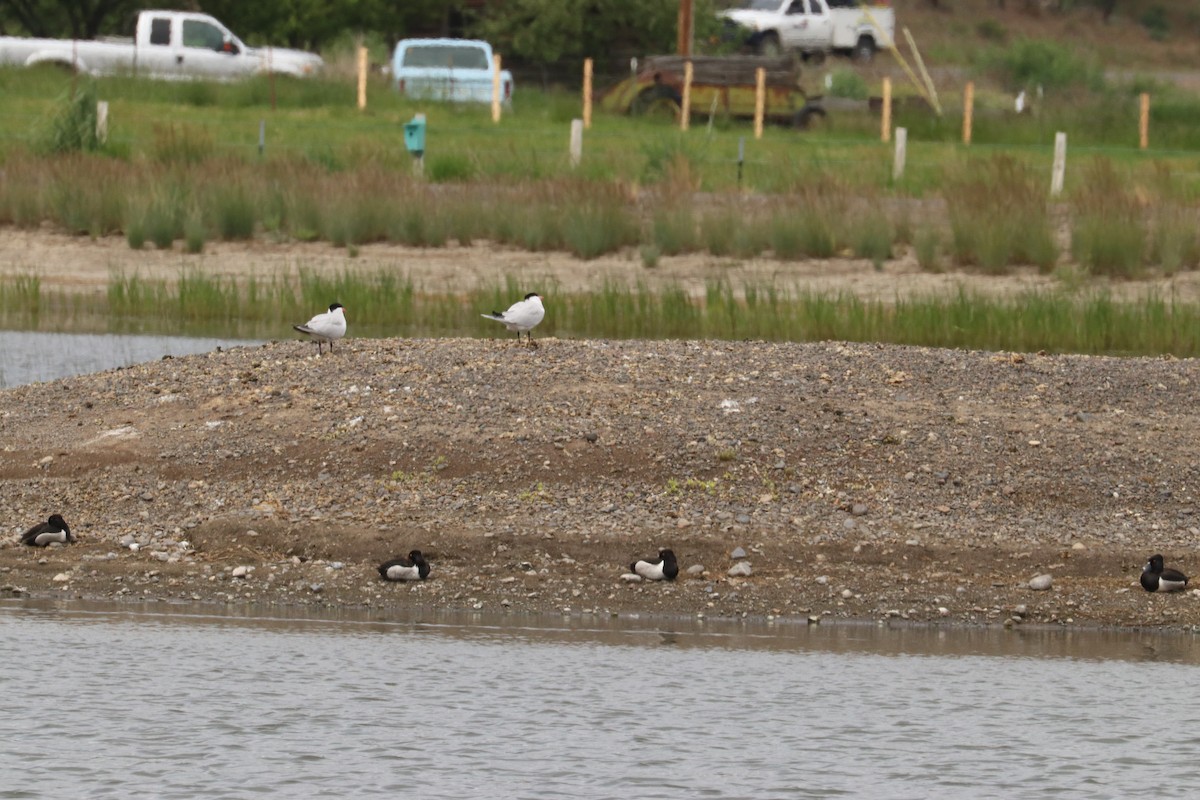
326, 327
664, 568
414, 567
522, 316
53, 530
1156, 578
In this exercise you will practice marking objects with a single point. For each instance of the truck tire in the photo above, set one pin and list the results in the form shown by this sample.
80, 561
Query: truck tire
657, 101
769, 45
864, 50
805, 117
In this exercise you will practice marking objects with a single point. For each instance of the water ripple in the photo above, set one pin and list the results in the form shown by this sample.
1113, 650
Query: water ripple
126, 706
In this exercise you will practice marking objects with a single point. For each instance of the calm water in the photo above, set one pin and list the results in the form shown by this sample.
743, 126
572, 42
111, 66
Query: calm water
109, 702
28, 357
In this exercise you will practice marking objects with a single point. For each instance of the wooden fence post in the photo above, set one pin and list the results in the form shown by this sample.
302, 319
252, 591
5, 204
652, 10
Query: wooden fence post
885, 128
685, 108
362, 77
968, 111
496, 87
760, 100
587, 93
1144, 122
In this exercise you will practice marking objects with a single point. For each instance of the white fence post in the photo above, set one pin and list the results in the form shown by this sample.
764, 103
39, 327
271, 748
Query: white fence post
1060, 164
576, 142
901, 153
102, 121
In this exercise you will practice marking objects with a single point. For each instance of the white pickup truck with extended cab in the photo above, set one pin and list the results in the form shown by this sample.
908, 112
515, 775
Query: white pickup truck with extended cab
172, 45
815, 27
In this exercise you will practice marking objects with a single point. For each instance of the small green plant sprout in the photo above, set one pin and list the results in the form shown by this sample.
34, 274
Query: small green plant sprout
535, 494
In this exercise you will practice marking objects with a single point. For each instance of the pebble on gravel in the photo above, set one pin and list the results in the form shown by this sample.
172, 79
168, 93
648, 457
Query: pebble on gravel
695, 570
630, 577
737, 553
740, 570
1041, 583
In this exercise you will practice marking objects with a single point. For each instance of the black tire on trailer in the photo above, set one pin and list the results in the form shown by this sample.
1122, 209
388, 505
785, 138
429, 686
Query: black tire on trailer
805, 117
657, 100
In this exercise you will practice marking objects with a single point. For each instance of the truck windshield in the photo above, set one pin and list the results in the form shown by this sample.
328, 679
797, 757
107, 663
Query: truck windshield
455, 56
763, 5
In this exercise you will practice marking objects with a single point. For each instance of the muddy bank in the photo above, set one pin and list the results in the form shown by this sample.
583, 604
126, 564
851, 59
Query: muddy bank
861, 481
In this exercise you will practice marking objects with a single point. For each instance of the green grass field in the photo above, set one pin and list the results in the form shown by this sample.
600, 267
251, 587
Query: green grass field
182, 166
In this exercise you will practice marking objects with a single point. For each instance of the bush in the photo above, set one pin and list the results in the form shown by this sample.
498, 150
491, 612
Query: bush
844, 83
1034, 62
991, 30
1154, 20
183, 144
73, 128
1108, 229
999, 216
449, 168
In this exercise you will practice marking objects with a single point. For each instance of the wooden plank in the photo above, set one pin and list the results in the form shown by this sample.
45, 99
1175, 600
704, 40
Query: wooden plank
727, 70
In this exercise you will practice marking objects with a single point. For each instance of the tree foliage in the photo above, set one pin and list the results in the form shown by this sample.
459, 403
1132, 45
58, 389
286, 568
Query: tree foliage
312, 23
536, 32
77, 19
553, 31
308, 23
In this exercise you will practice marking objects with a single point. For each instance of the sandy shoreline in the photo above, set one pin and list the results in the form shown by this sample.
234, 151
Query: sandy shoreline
861, 481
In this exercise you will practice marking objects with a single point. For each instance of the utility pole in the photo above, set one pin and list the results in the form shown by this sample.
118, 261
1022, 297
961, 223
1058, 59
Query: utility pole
684, 44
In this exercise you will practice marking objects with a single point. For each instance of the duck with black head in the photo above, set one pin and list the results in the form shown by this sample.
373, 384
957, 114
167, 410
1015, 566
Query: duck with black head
663, 568
414, 567
53, 531
1157, 578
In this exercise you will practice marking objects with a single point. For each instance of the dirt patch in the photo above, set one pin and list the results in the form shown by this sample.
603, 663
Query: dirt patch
860, 481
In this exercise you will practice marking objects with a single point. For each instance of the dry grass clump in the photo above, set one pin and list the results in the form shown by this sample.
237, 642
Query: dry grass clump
998, 215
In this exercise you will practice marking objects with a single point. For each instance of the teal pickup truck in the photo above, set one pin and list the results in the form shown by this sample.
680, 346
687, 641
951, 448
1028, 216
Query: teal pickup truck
456, 70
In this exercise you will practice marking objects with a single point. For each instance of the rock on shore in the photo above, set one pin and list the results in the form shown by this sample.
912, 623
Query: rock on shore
861, 481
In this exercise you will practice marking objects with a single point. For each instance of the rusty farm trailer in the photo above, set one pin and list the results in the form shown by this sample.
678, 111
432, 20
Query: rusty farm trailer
720, 84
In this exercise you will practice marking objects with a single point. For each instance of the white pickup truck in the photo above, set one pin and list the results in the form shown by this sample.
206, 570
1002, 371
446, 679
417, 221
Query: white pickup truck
172, 45
455, 70
815, 27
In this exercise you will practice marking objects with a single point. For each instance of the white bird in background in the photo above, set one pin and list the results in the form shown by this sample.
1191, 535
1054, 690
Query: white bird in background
327, 327
522, 316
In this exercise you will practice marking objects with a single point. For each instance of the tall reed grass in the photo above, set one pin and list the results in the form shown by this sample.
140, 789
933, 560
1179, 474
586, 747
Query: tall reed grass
998, 215
385, 304
1108, 231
